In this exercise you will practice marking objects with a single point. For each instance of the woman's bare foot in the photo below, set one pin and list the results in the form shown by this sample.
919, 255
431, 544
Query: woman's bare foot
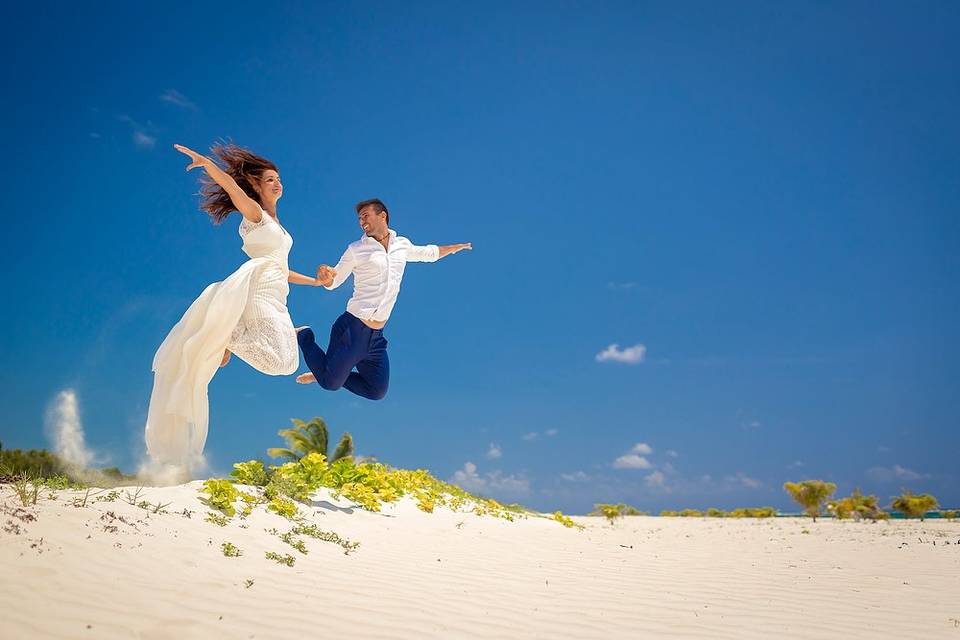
226, 358
306, 378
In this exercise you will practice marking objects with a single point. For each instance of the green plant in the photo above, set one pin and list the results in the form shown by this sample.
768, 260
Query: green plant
217, 518
810, 494
283, 507
613, 511
310, 437
566, 521
949, 515
691, 513
915, 506
230, 550
296, 543
713, 512
221, 494
26, 487
250, 472
751, 512
286, 558
327, 536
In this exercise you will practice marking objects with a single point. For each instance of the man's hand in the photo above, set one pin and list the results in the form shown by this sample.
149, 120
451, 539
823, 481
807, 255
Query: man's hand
450, 249
325, 275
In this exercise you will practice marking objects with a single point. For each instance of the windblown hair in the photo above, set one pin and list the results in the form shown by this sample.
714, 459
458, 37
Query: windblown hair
377, 204
243, 166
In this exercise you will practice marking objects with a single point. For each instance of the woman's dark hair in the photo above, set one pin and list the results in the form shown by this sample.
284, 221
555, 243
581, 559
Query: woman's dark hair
378, 207
243, 166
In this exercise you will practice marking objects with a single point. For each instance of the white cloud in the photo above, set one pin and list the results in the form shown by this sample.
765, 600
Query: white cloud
66, 431
494, 451
551, 432
622, 286
530, 436
672, 453
642, 448
753, 424
491, 483
576, 476
655, 480
630, 355
896, 472
796, 464
631, 461
174, 97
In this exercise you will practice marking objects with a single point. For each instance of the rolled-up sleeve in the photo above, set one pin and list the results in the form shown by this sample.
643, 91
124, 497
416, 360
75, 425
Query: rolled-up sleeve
425, 253
344, 269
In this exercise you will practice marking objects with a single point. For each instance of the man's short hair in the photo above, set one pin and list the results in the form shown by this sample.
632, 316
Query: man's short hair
377, 204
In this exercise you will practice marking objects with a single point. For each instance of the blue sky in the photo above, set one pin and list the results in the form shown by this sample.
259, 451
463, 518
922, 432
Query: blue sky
759, 200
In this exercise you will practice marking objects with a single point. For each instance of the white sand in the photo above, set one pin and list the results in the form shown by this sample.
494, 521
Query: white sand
69, 574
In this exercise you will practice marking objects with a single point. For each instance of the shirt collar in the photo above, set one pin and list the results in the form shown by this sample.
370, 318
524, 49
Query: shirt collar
366, 238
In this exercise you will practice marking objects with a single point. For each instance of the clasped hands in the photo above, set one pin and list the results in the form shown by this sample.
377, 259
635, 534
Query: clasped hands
325, 275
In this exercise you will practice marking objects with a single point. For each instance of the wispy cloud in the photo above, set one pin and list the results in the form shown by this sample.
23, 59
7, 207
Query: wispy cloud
796, 464
494, 451
642, 448
622, 286
66, 430
671, 453
143, 141
490, 483
174, 97
576, 476
530, 436
141, 138
630, 355
896, 472
743, 480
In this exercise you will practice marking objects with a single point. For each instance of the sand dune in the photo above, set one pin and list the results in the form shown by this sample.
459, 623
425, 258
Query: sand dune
113, 570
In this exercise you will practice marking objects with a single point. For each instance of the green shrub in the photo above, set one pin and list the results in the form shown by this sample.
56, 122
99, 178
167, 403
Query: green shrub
221, 494
810, 494
283, 506
915, 506
858, 507
230, 550
250, 473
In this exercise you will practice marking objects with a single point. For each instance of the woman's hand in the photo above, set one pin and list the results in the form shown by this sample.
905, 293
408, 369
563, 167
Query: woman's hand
196, 160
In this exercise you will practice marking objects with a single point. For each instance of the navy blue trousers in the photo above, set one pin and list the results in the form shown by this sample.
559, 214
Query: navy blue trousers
352, 344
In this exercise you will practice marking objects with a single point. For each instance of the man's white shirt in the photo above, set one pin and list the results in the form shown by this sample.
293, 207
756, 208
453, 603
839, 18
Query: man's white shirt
377, 273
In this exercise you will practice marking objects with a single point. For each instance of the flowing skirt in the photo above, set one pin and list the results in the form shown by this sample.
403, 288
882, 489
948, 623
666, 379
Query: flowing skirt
245, 312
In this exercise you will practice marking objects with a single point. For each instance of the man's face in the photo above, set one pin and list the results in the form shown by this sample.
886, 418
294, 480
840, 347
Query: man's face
373, 224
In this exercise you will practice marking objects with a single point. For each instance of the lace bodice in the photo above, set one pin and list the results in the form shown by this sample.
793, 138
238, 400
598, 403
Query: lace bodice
266, 239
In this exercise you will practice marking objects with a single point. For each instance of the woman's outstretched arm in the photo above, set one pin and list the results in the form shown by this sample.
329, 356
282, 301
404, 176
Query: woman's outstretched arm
246, 205
299, 278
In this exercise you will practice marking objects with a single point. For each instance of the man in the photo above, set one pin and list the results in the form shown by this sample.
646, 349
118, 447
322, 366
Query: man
377, 261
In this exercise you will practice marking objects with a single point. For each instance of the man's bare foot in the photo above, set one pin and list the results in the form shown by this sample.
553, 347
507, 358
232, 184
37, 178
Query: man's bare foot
226, 358
306, 378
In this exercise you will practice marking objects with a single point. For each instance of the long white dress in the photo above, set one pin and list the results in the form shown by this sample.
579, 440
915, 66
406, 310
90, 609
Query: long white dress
245, 313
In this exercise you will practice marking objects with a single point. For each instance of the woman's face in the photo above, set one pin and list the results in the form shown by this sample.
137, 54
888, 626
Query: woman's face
270, 188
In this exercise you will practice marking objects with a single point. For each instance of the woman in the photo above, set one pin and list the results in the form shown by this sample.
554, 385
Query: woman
245, 314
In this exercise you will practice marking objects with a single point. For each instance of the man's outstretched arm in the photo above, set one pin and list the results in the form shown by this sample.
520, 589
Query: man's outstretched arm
446, 250
432, 252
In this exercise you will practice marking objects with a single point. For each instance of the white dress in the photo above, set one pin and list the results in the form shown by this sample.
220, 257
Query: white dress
245, 313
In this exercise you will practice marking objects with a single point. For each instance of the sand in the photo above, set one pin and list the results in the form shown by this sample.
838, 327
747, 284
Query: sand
113, 570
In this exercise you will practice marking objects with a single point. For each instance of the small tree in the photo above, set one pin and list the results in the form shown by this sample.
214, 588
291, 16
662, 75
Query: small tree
310, 437
914, 506
810, 494
857, 506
